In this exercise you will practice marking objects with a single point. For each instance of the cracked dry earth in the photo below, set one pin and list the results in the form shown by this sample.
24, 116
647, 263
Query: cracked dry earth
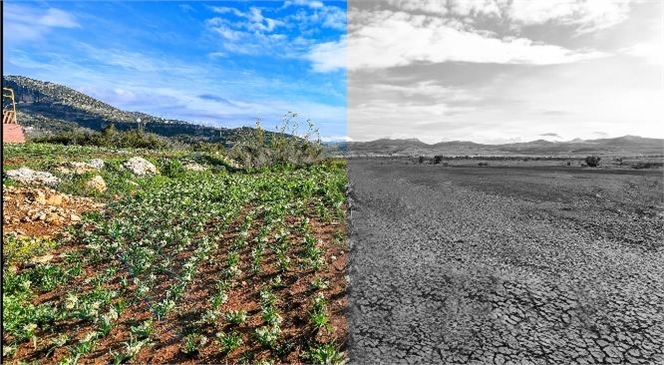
505, 266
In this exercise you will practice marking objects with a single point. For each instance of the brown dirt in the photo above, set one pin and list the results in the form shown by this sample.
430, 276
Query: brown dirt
22, 206
294, 301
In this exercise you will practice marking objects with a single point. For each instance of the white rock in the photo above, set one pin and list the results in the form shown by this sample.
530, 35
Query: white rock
28, 176
96, 163
140, 166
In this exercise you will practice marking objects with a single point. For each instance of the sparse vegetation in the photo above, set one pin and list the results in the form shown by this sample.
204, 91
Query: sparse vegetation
109, 137
282, 148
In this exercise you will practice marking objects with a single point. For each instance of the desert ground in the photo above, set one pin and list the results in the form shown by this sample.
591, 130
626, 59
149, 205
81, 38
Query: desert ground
505, 265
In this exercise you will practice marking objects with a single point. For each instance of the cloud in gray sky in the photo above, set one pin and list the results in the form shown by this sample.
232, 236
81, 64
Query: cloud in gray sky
496, 70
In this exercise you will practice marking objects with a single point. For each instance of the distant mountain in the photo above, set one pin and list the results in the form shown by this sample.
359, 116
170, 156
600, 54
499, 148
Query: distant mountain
45, 107
621, 146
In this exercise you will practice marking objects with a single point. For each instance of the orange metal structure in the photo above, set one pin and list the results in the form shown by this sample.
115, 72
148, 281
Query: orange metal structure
11, 130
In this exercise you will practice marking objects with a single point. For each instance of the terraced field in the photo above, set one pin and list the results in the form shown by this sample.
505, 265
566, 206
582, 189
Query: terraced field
469, 265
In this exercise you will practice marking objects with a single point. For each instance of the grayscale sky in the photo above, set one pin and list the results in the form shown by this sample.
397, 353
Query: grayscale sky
496, 71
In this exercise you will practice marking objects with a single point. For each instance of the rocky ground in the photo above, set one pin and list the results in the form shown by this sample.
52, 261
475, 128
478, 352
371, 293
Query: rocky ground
39, 211
498, 266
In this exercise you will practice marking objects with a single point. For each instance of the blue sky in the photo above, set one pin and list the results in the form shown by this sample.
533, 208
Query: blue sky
213, 63
497, 71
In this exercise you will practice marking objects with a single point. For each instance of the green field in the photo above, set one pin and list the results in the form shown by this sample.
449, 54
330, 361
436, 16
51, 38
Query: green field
221, 265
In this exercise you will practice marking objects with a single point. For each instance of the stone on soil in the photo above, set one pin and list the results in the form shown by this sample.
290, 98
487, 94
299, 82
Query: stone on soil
140, 166
96, 183
29, 176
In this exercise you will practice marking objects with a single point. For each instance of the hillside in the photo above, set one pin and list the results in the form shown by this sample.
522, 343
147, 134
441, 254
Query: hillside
46, 107
621, 146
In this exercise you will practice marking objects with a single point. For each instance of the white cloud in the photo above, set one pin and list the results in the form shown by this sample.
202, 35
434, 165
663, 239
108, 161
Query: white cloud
425, 6
314, 4
26, 23
398, 39
58, 18
328, 56
226, 10
587, 15
427, 89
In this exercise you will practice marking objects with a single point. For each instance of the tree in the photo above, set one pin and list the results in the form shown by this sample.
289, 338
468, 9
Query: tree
593, 161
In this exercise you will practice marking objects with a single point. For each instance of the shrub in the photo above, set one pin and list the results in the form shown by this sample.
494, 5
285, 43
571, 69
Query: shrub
259, 149
109, 137
420, 160
647, 165
437, 159
171, 167
593, 161
209, 147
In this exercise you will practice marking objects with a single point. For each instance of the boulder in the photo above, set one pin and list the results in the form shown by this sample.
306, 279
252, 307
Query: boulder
28, 176
79, 168
96, 183
140, 166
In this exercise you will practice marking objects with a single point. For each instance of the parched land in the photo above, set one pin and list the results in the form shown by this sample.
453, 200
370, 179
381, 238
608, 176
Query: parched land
487, 265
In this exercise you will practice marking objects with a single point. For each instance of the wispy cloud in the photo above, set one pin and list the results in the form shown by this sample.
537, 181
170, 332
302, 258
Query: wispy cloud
585, 16
28, 23
252, 32
328, 56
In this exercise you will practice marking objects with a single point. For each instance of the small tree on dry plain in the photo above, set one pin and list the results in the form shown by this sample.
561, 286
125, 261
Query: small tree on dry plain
593, 161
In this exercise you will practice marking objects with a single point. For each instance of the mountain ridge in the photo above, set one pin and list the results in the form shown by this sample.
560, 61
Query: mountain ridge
620, 146
48, 107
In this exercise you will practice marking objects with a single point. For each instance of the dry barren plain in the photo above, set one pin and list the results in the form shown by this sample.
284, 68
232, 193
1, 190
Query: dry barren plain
499, 265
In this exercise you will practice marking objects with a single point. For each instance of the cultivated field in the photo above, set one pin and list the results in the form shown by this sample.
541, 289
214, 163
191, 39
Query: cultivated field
199, 263
499, 265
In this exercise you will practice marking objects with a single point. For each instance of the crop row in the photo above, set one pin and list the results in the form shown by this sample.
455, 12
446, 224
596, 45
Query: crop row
209, 268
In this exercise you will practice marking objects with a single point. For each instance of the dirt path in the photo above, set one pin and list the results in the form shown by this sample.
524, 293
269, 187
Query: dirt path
462, 266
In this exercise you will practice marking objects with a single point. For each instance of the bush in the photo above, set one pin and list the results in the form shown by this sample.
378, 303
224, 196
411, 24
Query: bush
209, 147
171, 167
437, 159
109, 137
647, 165
593, 161
258, 149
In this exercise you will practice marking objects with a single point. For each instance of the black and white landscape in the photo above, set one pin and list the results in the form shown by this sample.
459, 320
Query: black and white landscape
505, 182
